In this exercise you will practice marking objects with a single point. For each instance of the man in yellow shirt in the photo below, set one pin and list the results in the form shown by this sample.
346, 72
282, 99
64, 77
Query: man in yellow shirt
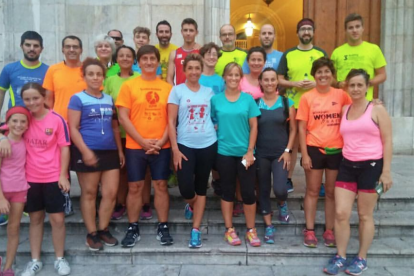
359, 54
164, 34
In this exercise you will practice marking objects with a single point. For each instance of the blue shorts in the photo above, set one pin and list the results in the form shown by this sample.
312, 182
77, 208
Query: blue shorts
137, 162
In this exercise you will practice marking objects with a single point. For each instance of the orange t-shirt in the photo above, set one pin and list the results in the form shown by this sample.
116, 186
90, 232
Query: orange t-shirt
147, 102
322, 111
64, 82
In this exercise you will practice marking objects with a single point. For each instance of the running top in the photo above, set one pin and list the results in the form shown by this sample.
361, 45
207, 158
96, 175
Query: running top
180, 54
12, 172
362, 137
252, 90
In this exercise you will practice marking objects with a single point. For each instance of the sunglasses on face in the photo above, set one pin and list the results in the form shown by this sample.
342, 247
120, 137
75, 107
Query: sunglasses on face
117, 38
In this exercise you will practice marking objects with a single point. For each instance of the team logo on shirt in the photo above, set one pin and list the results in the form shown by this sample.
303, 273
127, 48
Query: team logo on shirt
152, 97
49, 131
334, 103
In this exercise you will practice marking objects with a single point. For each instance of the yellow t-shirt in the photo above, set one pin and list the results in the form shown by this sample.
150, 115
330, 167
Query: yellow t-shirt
64, 82
147, 102
165, 56
365, 56
296, 65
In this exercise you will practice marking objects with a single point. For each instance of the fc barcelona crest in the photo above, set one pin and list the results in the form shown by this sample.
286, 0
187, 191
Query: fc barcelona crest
49, 131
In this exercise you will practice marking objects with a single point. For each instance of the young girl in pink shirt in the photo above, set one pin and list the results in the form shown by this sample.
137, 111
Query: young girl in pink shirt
13, 183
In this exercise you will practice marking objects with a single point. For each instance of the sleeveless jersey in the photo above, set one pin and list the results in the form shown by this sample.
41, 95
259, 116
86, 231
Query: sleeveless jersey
180, 54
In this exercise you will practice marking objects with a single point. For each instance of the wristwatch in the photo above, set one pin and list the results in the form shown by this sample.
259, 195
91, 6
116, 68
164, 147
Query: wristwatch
288, 150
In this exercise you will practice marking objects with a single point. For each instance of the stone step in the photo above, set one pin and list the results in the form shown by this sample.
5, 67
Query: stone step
385, 251
387, 223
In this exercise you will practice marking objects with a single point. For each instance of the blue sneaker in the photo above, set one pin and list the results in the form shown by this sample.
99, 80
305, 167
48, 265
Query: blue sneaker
4, 219
270, 234
195, 240
289, 185
336, 264
357, 266
283, 213
322, 190
188, 212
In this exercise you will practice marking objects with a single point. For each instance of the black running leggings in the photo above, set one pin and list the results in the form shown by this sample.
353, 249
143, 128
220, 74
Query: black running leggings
194, 173
267, 167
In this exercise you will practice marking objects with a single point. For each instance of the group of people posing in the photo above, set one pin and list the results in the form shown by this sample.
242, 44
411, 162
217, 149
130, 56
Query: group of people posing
130, 118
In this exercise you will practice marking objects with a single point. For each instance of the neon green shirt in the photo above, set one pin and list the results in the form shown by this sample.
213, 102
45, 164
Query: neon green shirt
296, 65
237, 55
365, 56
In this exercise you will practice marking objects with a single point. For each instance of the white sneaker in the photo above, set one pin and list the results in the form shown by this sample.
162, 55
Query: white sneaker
32, 268
62, 267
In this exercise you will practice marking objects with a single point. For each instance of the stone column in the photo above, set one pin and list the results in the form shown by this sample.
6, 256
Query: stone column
216, 14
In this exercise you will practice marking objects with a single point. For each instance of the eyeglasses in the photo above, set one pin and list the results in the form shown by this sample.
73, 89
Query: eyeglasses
227, 35
74, 47
117, 38
303, 30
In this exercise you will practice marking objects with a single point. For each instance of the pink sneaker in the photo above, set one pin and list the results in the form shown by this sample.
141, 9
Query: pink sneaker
310, 239
252, 238
329, 238
8, 272
146, 212
119, 212
231, 237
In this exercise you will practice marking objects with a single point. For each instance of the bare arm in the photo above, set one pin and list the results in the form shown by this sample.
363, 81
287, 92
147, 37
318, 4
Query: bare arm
4, 203
117, 136
305, 84
252, 142
2, 95
286, 156
306, 160
380, 76
178, 156
171, 68
64, 183
50, 99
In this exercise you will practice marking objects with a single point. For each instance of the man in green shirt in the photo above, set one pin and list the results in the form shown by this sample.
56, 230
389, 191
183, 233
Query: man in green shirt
359, 54
229, 52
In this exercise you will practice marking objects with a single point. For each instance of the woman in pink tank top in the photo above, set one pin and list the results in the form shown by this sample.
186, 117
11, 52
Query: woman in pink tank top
367, 152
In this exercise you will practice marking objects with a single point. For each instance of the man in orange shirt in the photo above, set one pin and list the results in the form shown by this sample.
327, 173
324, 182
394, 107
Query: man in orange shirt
64, 79
142, 105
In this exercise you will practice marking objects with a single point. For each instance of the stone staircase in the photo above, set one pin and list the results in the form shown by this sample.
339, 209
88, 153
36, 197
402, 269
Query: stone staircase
393, 245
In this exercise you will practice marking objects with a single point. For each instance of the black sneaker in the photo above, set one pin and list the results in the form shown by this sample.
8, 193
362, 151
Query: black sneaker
131, 236
163, 235
93, 242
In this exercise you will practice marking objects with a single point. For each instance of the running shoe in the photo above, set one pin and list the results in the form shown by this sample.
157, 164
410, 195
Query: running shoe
93, 242
322, 190
119, 212
7, 272
4, 219
329, 238
32, 268
289, 185
357, 266
172, 180
106, 237
238, 209
62, 267
195, 240
270, 234
231, 237
163, 234
252, 238
283, 213
146, 212
310, 239
131, 237
188, 212
335, 264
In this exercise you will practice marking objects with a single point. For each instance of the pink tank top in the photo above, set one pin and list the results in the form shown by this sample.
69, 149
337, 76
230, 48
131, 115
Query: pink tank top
362, 137
252, 90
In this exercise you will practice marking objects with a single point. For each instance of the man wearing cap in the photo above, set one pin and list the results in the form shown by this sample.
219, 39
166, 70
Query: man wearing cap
267, 37
356, 53
294, 73
229, 51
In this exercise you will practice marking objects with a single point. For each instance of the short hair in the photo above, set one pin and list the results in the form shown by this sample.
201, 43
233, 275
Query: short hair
139, 30
31, 35
148, 49
271, 25
92, 61
353, 17
193, 57
207, 48
162, 22
261, 75
134, 55
305, 21
116, 30
189, 21
358, 72
256, 49
321, 62
234, 30
230, 66
103, 38
73, 37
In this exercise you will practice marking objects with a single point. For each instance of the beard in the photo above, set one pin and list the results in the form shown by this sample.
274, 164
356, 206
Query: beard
35, 58
306, 40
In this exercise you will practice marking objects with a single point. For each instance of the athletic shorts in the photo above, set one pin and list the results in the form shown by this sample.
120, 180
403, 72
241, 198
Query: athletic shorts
107, 160
359, 176
45, 196
137, 162
321, 160
18, 197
